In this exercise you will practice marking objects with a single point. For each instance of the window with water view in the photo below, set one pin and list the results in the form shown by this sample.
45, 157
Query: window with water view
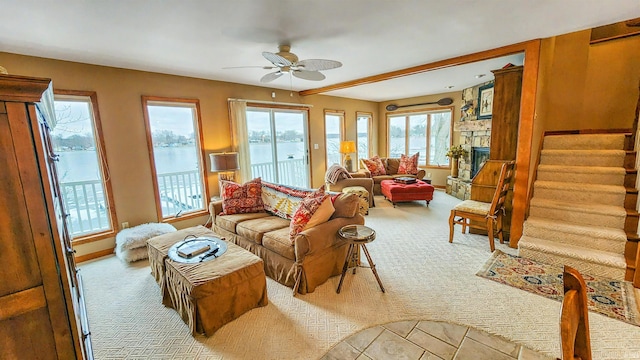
278, 146
174, 130
333, 125
82, 169
426, 132
363, 124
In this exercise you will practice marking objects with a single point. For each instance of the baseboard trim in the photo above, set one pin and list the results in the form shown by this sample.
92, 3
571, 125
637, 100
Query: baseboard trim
94, 255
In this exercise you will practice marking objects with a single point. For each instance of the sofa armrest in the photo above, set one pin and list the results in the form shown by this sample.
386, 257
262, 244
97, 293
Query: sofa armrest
359, 175
215, 208
366, 183
365, 172
322, 236
421, 174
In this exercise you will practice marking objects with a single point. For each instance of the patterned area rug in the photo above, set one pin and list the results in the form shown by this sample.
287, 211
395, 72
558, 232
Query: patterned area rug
612, 298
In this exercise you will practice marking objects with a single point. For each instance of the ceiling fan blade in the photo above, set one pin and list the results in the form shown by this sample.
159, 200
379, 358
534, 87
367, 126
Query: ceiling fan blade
247, 67
318, 64
271, 76
276, 59
309, 75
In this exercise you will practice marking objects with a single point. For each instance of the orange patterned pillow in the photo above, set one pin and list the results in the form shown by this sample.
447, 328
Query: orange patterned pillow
375, 166
239, 199
308, 207
408, 164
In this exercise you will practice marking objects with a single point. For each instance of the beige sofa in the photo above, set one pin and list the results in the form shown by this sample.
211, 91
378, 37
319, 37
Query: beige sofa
315, 255
391, 166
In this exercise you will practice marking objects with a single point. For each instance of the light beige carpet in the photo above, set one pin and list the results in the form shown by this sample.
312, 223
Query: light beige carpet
425, 277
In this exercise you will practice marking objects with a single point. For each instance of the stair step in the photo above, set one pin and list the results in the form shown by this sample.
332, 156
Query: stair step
582, 174
611, 158
589, 261
578, 193
585, 141
585, 214
632, 236
586, 236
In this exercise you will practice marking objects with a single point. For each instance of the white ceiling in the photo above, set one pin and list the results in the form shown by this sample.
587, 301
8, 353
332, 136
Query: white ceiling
199, 38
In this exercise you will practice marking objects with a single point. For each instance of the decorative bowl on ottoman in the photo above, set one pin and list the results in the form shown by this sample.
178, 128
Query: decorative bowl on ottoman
396, 191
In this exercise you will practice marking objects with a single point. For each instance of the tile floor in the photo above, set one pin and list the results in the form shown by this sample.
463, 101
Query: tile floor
422, 340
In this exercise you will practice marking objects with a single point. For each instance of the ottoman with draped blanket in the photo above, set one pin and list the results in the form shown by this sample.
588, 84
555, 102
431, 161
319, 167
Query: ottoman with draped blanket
210, 294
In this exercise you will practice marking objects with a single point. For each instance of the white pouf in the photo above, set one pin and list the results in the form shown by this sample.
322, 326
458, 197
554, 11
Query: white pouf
131, 243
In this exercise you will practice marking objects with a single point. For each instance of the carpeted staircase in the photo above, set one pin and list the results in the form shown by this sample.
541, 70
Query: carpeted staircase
577, 214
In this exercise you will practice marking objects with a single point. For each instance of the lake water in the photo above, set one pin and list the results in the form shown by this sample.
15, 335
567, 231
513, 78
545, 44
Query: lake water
82, 165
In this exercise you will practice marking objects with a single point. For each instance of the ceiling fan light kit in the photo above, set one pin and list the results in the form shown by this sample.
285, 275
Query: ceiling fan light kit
441, 102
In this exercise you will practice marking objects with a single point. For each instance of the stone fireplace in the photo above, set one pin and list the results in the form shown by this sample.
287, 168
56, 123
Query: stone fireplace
475, 137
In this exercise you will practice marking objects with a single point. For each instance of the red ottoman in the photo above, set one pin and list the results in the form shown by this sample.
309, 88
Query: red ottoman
397, 192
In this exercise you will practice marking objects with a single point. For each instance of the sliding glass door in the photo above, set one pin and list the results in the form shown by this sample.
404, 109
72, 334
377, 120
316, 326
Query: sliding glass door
278, 146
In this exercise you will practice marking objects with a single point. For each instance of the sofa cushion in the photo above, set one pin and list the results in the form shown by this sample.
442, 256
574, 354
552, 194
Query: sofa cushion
345, 205
279, 241
375, 166
308, 207
229, 222
282, 200
392, 165
408, 164
254, 229
240, 199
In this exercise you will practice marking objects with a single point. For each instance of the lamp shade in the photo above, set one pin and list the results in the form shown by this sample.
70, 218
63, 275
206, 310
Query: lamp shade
224, 161
347, 147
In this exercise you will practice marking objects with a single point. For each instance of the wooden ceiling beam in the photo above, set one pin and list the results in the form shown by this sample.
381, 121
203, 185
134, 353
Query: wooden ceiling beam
441, 64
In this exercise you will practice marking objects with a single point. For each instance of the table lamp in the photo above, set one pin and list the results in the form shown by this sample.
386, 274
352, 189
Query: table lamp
225, 164
347, 147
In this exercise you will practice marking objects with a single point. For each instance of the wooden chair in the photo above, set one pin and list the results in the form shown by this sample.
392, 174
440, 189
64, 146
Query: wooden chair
574, 319
485, 216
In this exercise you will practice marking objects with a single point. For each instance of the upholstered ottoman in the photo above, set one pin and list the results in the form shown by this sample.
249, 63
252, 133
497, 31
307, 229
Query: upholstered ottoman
158, 248
399, 192
209, 294
363, 194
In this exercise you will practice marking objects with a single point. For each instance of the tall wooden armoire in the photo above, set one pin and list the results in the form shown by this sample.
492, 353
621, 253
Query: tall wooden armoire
505, 119
42, 312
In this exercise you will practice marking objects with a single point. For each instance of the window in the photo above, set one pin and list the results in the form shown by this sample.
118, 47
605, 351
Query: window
363, 128
333, 134
285, 160
82, 168
426, 132
174, 139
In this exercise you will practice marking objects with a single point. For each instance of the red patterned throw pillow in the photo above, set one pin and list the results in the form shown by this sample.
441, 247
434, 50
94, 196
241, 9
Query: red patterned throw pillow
240, 199
308, 207
375, 166
408, 164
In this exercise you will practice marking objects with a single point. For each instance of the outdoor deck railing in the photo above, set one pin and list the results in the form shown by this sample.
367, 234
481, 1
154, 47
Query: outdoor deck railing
84, 202
179, 192
291, 172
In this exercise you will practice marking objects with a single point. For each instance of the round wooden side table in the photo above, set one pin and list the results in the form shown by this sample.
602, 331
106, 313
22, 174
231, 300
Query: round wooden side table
357, 236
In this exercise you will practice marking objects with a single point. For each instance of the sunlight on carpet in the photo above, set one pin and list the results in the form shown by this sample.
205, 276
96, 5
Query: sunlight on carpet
425, 276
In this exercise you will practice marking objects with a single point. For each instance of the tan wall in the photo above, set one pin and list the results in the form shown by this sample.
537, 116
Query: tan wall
588, 86
582, 86
119, 99
438, 175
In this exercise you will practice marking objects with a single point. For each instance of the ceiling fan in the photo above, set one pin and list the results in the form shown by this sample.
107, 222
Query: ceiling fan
287, 62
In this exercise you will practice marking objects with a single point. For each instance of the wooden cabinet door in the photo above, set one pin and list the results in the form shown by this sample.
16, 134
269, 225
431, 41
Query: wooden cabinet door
506, 113
33, 315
